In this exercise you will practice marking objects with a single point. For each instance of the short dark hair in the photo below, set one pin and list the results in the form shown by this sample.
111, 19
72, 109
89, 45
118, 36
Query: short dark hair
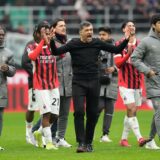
155, 18
37, 28
3, 28
105, 29
84, 24
125, 23
55, 22
41, 25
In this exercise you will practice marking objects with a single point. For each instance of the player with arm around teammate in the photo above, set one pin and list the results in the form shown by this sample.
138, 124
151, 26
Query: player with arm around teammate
45, 83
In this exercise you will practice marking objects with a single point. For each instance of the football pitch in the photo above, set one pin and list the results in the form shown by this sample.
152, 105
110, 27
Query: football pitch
16, 148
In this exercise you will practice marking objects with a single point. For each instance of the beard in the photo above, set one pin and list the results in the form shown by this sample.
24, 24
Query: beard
133, 33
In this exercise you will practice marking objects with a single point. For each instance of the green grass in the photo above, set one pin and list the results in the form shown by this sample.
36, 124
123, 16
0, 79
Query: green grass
13, 140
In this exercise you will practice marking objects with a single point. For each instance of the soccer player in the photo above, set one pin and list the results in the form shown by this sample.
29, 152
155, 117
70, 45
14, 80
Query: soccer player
45, 83
146, 58
129, 81
7, 69
108, 81
64, 70
85, 85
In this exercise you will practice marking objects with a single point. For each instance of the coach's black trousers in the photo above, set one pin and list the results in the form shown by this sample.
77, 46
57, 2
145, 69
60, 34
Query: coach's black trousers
85, 98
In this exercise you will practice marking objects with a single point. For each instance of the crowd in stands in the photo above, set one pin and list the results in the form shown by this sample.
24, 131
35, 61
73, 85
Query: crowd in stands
142, 5
146, 7
118, 9
36, 2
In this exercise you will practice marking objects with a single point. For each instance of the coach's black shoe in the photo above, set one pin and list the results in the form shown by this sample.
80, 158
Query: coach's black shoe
89, 148
81, 148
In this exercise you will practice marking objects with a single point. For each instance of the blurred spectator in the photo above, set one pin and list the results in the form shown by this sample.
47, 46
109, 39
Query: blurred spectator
2, 2
115, 4
126, 4
116, 11
35, 2
65, 2
142, 6
153, 6
153, 3
31, 3
19, 3
50, 8
81, 10
6, 22
45, 2
21, 28
96, 12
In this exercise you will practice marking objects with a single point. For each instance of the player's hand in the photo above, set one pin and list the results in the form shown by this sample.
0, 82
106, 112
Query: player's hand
110, 70
4, 67
52, 32
44, 36
151, 74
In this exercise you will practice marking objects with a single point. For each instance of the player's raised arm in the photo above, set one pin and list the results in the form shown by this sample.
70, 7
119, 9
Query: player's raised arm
119, 60
44, 40
117, 49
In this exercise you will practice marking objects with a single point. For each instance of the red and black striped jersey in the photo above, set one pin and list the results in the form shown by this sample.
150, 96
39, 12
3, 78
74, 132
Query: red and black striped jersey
128, 75
44, 67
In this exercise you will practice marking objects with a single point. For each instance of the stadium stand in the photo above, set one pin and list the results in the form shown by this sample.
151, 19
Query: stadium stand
100, 12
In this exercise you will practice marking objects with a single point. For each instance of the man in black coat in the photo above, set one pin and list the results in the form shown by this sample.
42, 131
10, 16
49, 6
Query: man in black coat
85, 85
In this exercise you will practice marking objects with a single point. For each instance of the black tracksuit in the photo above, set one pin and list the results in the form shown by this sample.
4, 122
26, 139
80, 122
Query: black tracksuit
85, 85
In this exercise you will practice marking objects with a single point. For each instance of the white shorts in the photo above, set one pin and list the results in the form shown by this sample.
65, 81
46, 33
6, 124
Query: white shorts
131, 95
32, 103
48, 100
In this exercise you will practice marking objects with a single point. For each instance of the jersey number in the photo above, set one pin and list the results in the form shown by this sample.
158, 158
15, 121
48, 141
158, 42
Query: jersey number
55, 102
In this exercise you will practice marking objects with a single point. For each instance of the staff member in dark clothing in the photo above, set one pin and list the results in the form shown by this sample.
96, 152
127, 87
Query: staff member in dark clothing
85, 85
